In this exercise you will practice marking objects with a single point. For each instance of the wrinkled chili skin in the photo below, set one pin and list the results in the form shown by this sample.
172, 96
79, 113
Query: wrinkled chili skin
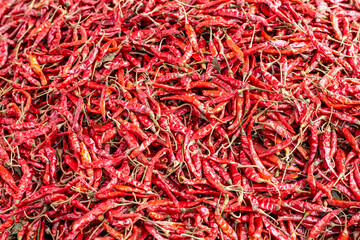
179, 119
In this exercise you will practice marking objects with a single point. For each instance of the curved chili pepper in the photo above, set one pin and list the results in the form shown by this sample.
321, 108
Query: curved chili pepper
325, 150
274, 231
224, 226
213, 178
316, 229
35, 66
90, 216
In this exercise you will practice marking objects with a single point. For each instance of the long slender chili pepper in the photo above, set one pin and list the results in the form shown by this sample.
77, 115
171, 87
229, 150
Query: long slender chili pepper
325, 149
316, 229
203, 119
213, 178
224, 226
89, 217
8, 178
274, 231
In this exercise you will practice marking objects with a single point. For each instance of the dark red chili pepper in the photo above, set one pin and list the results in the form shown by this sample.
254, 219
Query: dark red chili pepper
186, 133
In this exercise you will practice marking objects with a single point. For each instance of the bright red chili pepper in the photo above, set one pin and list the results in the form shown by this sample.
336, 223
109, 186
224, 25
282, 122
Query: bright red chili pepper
203, 120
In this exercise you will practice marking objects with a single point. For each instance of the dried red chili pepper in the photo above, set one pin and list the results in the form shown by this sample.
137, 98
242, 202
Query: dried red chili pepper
217, 112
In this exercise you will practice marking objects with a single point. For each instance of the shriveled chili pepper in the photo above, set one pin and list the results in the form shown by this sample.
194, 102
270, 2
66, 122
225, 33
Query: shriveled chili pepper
316, 229
4, 50
35, 66
203, 120
212, 178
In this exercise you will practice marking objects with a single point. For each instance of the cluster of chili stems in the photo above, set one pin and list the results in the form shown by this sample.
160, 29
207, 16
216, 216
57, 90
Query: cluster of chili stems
183, 119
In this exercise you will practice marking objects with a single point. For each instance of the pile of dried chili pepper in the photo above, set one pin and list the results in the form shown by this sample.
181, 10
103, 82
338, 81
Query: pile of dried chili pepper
182, 119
